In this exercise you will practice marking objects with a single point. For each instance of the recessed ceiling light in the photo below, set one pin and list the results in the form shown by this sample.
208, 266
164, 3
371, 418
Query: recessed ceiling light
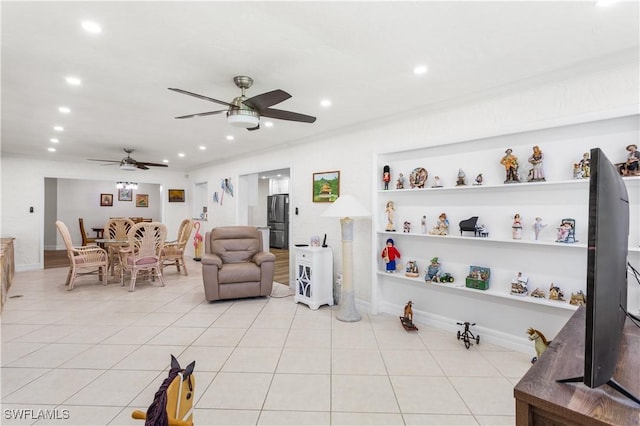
54, 140
202, 148
58, 128
420, 69
64, 110
73, 81
230, 137
325, 103
264, 177
181, 154
268, 124
165, 161
51, 149
91, 27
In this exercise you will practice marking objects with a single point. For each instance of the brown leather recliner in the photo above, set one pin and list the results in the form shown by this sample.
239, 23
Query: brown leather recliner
234, 264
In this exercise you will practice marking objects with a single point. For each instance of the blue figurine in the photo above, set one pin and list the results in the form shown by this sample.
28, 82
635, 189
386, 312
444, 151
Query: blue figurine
433, 271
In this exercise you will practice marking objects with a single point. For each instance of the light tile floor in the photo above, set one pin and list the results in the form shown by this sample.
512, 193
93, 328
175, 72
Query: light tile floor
100, 352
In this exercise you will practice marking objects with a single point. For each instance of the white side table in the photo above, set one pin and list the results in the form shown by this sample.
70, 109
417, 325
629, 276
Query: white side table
314, 276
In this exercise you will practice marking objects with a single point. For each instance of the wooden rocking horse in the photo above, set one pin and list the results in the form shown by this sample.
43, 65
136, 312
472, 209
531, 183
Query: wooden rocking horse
173, 402
541, 343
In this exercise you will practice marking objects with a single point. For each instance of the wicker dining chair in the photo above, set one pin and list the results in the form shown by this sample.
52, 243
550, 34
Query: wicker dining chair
85, 240
173, 252
86, 257
116, 229
146, 241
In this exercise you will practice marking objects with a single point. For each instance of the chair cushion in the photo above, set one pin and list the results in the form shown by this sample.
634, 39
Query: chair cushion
238, 273
143, 260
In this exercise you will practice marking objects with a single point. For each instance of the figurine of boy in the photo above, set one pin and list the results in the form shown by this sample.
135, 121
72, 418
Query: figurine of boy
516, 228
386, 176
390, 211
537, 226
510, 163
390, 254
442, 226
536, 173
400, 181
461, 178
632, 166
433, 271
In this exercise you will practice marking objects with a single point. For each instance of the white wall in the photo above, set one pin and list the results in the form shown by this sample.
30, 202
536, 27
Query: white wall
23, 186
594, 93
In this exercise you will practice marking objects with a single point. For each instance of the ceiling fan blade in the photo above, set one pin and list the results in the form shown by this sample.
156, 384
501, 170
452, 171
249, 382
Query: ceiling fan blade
104, 161
141, 166
287, 115
206, 98
254, 128
202, 114
144, 163
265, 100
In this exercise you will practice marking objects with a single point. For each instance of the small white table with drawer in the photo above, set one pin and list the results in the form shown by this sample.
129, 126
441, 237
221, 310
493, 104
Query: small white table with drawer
314, 276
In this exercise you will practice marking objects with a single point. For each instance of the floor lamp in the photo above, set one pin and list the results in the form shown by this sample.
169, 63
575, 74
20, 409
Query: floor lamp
347, 207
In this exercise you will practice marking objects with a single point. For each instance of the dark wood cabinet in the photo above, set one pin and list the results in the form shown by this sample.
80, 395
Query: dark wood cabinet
540, 400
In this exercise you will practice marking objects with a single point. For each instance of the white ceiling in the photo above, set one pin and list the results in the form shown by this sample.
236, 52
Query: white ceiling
358, 54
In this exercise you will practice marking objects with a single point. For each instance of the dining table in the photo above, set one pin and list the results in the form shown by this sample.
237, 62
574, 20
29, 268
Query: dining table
113, 248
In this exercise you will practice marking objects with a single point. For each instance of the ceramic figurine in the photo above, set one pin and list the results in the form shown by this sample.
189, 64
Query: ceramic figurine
390, 254
400, 181
442, 226
555, 293
461, 178
538, 293
423, 224
577, 171
433, 271
436, 183
536, 174
412, 269
391, 212
578, 298
631, 167
479, 179
418, 177
540, 342
585, 165
516, 228
537, 227
566, 231
406, 226
510, 163
407, 319
519, 285
386, 176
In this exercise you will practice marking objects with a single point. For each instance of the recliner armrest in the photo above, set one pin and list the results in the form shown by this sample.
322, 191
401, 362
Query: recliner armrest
212, 259
263, 256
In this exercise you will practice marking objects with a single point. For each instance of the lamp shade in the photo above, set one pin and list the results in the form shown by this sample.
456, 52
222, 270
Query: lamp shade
346, 206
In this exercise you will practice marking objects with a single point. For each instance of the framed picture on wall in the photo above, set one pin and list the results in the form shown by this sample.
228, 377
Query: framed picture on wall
106, 200
125, 194
176, 195
142, 200
326, 187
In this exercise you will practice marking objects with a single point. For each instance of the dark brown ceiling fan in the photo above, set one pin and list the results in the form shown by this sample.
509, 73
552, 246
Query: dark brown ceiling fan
128, 163
246, 112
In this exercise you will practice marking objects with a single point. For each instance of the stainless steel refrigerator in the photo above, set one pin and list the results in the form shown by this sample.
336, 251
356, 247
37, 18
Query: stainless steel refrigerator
278, 220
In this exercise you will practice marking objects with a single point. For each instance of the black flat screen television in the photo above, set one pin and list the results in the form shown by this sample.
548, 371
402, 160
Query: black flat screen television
607, 249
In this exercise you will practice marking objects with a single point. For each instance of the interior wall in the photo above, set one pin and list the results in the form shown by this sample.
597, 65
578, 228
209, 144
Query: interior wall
50, 213
552, 102
23, 186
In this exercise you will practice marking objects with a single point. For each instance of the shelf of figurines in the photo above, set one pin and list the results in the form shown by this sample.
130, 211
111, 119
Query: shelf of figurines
504, 186
460, 286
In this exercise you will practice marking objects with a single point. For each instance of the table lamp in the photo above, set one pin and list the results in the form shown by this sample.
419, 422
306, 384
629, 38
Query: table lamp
347, 207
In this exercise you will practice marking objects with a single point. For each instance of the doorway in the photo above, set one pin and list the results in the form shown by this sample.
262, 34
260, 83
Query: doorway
263, 192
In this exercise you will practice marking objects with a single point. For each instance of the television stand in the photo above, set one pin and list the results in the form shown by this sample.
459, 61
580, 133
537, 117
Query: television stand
540, 399
615, 385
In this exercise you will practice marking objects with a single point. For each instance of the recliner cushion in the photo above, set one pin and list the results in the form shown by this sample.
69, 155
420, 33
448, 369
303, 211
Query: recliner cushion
238, 273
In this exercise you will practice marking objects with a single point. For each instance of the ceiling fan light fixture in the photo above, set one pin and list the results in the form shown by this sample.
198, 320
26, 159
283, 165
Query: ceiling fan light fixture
243, 118
128, 167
